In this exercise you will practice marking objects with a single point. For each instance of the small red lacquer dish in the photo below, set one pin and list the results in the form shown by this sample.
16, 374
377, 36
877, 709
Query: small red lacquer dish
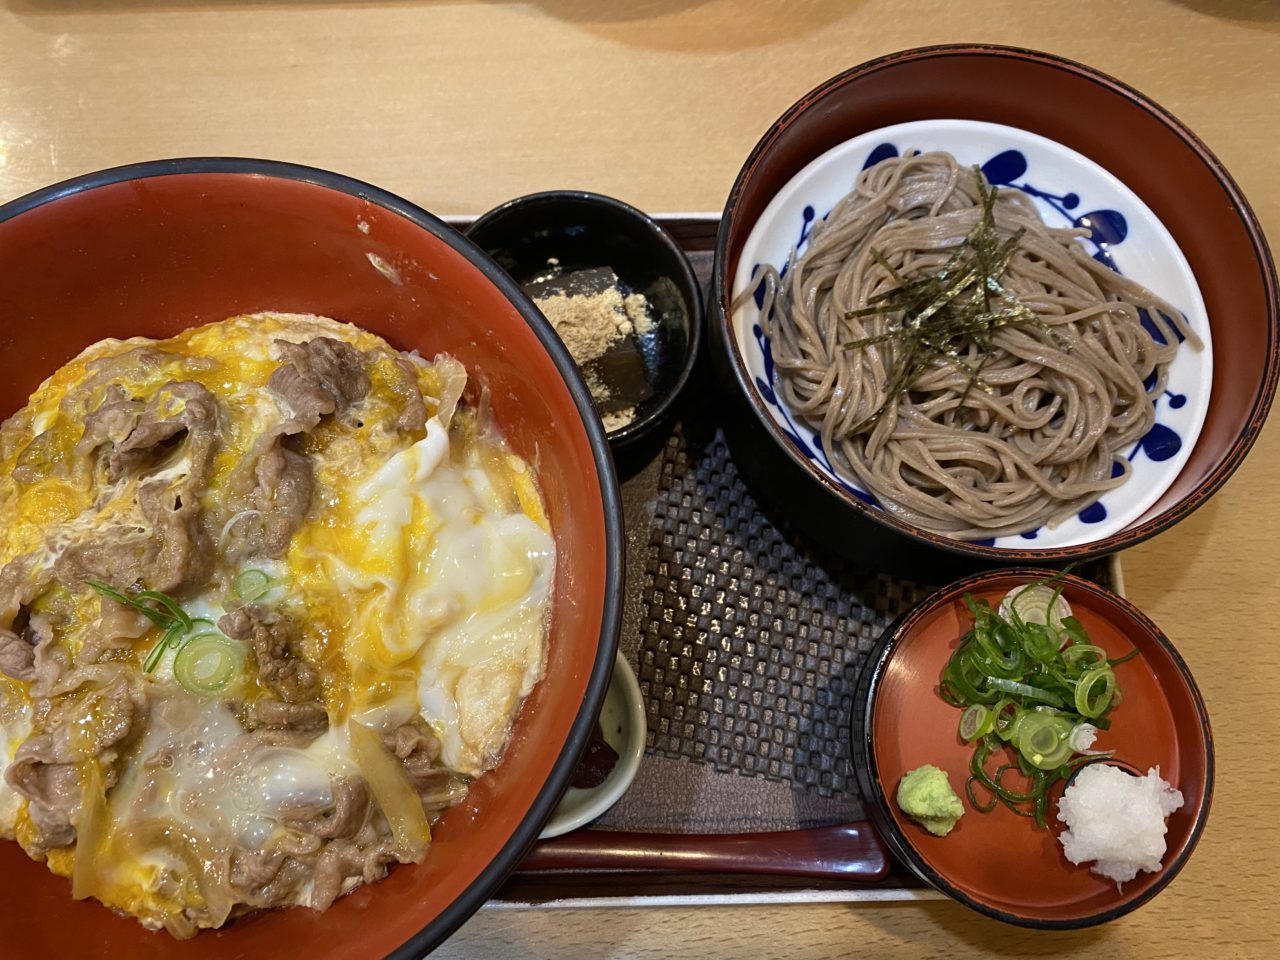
999, 863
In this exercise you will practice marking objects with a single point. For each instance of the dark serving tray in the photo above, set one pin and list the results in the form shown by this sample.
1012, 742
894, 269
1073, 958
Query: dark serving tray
747, 638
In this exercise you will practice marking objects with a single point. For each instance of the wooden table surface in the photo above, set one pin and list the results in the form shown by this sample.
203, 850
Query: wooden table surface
459, 104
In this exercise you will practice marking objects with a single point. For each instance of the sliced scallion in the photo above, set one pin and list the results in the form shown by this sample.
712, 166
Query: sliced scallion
1094, 691
1125, 659
170, 638
159, 618
208, 662
1044, 740
165, 612
251, 585
1024, 690
1028, 677
168, 603
975, 722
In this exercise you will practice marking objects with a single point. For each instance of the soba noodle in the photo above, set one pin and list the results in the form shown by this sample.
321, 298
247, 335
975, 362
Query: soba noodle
1031, 441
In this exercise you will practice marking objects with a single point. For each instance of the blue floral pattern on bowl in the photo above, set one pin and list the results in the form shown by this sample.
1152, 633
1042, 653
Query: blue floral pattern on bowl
1009, 158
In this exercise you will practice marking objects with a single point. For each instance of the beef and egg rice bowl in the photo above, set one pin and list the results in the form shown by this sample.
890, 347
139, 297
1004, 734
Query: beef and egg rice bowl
271, 594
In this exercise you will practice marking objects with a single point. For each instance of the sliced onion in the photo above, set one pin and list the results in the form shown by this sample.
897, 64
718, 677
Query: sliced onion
91, 830
199, 867
391, 789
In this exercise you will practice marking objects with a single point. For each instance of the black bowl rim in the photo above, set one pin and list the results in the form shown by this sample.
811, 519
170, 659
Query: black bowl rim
477, 892
873, 788
990, 554
687, 279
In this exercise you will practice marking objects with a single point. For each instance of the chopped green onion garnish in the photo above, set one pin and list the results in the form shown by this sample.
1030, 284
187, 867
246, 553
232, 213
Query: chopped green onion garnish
1044, 740
168, 603
159, 618
162, 610
1085, 653
1125, 659
1005, 718
1027, 677
208, 663
975, 722
1024, 690
980, 807
1094, 691
251, 585
170, 638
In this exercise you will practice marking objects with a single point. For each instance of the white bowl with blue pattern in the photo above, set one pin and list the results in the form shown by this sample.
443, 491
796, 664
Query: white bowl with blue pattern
1069, 190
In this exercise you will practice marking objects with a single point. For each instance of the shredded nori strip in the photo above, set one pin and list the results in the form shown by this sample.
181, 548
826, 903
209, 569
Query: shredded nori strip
942, 313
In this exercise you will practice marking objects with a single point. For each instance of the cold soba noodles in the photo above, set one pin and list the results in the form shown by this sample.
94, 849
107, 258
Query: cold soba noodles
972, 368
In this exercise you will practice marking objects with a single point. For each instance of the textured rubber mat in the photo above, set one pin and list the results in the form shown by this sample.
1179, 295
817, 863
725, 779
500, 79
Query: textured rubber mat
751, 641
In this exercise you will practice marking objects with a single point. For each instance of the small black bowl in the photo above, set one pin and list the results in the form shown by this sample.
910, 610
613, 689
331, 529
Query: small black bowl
579, 231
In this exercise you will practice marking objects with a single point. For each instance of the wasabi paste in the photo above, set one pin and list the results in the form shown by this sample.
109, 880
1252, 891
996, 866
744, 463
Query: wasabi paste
925, 795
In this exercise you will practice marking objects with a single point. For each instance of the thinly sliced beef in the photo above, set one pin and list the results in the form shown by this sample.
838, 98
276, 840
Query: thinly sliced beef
336, 849
275, 645
112, 422
180, 412
166, 548
344, 860
418, 750
274, 876
52, 667
403, 382
17, 656
278, 715
26, 648
172, 555
184, 556
413, 740
18, 646
307, 399
75, 730
39, 459
346, 817
319, 377
114, 635
121, 555
271, 489
283, 496
21, 580
83, 727
54, 795
270, 496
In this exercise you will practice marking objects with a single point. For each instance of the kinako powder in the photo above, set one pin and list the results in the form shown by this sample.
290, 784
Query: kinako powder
590, 324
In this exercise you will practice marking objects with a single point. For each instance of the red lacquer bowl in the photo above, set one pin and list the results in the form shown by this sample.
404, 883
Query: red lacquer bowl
998, 863
156, 247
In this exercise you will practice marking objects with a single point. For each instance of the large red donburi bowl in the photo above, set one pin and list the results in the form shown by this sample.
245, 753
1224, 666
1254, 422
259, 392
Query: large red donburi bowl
156, 247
